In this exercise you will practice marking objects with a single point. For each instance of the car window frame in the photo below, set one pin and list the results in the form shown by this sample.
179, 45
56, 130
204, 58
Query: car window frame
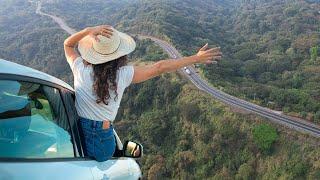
76, 155
76, 140
73, 118
73, 121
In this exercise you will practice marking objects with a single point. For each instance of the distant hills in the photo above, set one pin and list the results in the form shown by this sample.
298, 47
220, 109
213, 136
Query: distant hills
271, 48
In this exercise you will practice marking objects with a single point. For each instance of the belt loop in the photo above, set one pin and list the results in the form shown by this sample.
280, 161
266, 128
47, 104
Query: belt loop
94, 124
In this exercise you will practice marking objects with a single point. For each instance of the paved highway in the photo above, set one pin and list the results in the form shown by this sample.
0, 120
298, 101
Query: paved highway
63, 25
274, 116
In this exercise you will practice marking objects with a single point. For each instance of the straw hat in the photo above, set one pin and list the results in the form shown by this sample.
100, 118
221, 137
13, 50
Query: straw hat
107, 49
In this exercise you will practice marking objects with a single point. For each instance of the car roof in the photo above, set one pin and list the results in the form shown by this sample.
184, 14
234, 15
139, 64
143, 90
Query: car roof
7, 67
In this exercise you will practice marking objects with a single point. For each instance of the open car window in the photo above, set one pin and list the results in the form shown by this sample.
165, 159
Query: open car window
69, 99
33, 122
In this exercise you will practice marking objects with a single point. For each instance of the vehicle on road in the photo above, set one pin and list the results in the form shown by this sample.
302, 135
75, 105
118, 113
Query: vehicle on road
39, 135
187, 70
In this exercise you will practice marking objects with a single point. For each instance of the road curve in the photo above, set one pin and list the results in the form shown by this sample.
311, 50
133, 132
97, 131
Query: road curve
63, 25
274, 116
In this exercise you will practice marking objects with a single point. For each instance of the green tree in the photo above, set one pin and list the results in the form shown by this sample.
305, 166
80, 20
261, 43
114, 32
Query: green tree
303, 114
314, 53
190, 111
264, 136
245, 54
317, 117
245, 172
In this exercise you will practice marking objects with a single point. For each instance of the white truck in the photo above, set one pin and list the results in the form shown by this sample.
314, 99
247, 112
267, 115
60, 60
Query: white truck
187, 70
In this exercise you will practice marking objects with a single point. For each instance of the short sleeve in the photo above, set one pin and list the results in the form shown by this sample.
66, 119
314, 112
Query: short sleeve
75, 65
126, 75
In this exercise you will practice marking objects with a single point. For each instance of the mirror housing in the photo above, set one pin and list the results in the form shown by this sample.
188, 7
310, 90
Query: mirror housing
132, 149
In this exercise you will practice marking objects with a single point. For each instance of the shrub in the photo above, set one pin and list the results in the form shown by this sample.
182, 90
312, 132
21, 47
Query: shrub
264, 136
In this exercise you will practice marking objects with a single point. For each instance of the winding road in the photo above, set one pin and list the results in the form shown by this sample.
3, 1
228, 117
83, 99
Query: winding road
274, 116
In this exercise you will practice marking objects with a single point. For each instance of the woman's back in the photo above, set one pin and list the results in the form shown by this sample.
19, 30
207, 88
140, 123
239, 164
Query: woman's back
95, 85
86, 97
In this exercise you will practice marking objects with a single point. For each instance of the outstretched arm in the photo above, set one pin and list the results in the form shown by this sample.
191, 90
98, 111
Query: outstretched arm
70, 43
143, 73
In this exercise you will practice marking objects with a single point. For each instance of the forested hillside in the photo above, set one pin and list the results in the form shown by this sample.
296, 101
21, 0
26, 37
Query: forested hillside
32, 40
189, 135
271, 48
274, 58
270, 56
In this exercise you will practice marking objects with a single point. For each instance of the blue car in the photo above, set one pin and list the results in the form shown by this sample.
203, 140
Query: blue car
39, 135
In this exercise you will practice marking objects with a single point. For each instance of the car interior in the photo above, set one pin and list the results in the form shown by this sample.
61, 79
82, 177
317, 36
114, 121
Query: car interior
27, 128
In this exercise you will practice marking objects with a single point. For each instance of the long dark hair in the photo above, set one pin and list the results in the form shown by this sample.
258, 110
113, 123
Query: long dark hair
105, 77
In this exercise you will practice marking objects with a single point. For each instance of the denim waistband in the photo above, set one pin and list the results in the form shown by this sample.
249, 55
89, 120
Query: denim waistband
93, 123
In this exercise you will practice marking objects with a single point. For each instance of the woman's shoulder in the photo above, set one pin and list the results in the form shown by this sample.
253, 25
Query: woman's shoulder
80, 67
126, 74
75, 63
126, 68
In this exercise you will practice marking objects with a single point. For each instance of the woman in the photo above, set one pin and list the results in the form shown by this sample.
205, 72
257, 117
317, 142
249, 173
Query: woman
101, 76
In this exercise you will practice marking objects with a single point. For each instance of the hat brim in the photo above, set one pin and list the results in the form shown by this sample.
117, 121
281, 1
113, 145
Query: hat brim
87, 52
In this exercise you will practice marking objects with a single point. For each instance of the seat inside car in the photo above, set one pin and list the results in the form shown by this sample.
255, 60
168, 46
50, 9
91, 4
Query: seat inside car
16, 137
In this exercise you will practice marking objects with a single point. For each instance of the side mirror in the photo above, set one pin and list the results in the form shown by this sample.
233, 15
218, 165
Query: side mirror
132, 149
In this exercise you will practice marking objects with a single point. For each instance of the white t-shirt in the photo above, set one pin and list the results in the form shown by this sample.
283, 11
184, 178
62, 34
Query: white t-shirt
86, 98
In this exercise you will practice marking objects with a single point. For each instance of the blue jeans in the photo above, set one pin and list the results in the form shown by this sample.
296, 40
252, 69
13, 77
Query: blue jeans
99, 143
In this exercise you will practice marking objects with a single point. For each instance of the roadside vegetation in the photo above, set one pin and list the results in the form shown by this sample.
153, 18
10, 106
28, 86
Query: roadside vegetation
32, 40
189, 135
271, 48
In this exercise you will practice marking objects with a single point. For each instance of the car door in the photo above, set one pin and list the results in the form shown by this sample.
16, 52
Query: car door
36, 138
115, 168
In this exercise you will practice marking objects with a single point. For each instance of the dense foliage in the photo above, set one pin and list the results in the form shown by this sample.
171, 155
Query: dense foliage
264, 136
188, 135
32, 40
271, 48
271, 56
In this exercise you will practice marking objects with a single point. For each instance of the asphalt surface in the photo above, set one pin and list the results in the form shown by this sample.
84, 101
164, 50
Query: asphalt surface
275, 116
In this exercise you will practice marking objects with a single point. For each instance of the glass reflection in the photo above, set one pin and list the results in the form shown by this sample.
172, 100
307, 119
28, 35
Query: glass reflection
33, 123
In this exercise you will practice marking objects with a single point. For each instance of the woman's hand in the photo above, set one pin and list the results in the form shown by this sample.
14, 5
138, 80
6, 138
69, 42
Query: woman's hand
143, 73
70, 43
104, 30
208, 56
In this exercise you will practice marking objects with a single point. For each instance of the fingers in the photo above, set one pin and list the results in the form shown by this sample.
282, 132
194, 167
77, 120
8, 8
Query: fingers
96, 38
204, 47
217, 58
209, 56
106, 26
216, 50
104, 30
212, 58
108, 31
106, 34
219, 53
208, 62
212, 54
